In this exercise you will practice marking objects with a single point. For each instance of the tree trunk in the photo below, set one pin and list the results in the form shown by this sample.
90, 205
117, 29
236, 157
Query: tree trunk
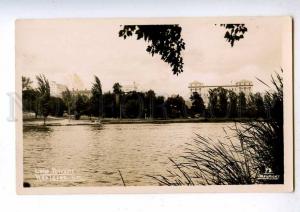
69, 112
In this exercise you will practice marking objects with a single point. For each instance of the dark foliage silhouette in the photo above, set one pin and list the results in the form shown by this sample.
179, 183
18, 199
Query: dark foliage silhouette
197, 104
43, 95
234, 32
96, 100
164, 40
218, 102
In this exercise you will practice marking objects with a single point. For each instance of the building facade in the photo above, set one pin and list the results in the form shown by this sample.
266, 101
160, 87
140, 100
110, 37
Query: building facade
84, 92
56, 89
130, 87
244, 86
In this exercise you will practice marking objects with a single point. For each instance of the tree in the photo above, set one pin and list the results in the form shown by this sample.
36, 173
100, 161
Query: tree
29, 100
234, 32
213, 102
81, 105
26, 83
218, 102
56, 106
109, 104
160, 110
251, 110
96, 99
117, 90
133, 105
68, 100
223, 101
176, 107
164, 40
255, 106
259, 104
267, 105
29, 96
241, 104
131, 108
150, 103
197, 103
43, 95
232, 106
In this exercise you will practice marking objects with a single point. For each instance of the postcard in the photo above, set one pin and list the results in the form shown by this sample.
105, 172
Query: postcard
154, 105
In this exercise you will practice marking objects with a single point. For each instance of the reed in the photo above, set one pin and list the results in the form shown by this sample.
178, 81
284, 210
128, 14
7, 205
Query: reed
239, 159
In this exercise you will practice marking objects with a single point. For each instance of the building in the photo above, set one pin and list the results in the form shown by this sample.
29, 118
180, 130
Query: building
130, 87
244, 86
84, 92
56, 89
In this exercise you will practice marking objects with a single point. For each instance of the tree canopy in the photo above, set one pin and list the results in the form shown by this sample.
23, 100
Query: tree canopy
43, 95
234, 32
26, 83
197, 103
164, 40
96, 99
117, 88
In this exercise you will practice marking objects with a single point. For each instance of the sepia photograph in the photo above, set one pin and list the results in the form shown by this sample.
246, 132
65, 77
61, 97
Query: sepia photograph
154, 105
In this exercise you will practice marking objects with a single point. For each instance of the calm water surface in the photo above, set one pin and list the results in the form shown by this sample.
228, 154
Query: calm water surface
92, 156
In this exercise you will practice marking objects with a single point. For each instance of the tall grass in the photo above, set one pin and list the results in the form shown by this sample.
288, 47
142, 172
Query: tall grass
257, 145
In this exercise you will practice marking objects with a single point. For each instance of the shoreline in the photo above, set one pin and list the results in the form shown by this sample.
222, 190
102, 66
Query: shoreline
72, 122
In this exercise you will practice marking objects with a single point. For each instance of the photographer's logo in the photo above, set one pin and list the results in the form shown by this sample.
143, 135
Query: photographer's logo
268, 175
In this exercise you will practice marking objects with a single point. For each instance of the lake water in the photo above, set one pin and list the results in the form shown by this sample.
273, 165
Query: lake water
93, 155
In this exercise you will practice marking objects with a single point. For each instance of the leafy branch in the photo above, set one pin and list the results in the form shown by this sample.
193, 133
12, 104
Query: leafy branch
164, 40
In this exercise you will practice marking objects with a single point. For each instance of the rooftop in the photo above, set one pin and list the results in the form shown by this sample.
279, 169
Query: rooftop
236, 84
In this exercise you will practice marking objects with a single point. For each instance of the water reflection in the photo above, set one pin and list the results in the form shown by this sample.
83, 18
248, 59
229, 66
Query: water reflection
96, 153
37, 129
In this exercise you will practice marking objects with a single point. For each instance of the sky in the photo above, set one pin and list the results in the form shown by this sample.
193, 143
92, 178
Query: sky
72, 51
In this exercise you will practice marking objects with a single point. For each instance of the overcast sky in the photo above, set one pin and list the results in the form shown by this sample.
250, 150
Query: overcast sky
71, 52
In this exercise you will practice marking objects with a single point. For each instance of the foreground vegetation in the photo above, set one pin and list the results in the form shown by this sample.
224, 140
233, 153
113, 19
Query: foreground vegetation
257, 148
